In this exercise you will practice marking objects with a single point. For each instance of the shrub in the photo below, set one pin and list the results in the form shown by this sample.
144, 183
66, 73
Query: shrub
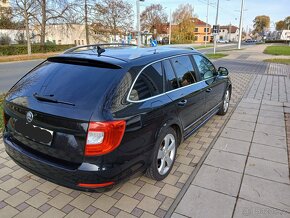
5, 39
35, 48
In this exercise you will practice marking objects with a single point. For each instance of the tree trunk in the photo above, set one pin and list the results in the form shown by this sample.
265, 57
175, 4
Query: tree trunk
26, 20
86, 23
43, 24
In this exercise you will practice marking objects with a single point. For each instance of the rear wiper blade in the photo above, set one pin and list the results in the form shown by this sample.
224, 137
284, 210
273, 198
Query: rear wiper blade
49, 99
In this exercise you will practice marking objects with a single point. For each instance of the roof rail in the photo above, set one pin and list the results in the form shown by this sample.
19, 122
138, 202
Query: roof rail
180, 46
94, 46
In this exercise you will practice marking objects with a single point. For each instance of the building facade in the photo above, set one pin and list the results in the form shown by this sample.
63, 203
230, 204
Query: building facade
202, 31
229, 33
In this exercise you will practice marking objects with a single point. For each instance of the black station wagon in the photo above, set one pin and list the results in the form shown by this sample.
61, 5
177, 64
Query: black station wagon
97, 115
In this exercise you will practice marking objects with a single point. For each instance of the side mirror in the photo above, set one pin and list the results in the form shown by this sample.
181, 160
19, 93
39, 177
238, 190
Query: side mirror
223, 71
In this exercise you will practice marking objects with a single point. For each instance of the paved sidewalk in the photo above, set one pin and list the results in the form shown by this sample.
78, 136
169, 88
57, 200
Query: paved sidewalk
246, 174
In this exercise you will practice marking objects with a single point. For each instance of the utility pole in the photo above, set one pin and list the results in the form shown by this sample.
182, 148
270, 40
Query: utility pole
138, 23
230, 32
169, 38
206, 25
241, 25
86, 23
216, 23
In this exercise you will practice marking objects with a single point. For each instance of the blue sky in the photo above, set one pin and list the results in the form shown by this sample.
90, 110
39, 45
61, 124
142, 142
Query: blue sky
230, 9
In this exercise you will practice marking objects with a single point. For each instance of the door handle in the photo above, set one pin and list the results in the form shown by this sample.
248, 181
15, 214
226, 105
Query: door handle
209, 90
182, 102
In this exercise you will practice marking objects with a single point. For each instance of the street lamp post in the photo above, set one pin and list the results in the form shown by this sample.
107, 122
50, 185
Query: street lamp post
241, 25
138, 22
206, 25
216, 22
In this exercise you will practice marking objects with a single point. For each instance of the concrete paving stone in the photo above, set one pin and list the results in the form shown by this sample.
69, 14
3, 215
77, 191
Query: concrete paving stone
242, 110
3, 195
129, 189
149, 204
104, 202
271, 121
272, 108
28, 185
266, 192
177, 215
272, 103
17, 199
244, 117
9, 184
148, 215
270, 129
226, 160
82, 201
248, 105
167, 203
243, 125
268, 170
232, 145
217, 179
273, 114
269, 139
76, 213
149, 190
170, 191
126, 204
124, 214
8, 211
269, 153
38, 199
253, 210
200, 202
47, 187
237, 134
29, 212
100, 213
60, 200
251, 100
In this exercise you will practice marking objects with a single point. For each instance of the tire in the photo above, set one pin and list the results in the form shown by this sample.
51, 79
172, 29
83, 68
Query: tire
226, 102
164, 155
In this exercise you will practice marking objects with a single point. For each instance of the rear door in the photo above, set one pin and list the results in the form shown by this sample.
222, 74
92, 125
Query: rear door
184, 89
215, 87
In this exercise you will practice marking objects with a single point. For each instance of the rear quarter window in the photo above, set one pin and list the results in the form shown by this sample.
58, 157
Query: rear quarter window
148, 84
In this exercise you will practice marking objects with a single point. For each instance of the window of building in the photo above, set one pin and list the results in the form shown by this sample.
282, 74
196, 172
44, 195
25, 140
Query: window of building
79, 42
149, 83
184, 70
206, 30
196, 29
75, 42
59, 42
82, 42
205, 38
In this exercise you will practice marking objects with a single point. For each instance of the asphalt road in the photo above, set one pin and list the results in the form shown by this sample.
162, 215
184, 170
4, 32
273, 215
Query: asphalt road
11, 72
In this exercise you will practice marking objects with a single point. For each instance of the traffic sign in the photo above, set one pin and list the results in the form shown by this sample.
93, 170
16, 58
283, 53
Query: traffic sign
215, 29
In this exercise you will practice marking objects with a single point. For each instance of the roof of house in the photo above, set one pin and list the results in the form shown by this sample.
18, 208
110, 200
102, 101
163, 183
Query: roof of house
199, 23
233, 28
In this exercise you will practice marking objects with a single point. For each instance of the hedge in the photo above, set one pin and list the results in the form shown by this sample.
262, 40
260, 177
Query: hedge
35, 48
277, 41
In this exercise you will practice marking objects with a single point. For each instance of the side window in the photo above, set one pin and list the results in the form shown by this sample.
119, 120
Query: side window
205, 67
184, 70
148, 84
171, 80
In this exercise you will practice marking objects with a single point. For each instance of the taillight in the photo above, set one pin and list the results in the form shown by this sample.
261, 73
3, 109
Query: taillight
104, 137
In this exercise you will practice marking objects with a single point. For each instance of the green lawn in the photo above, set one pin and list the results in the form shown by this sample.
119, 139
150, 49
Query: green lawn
278, 50
1, 109
216, 55
278, 60
202, 46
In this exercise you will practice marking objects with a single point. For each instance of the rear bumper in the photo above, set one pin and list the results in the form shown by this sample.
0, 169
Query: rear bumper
64, 175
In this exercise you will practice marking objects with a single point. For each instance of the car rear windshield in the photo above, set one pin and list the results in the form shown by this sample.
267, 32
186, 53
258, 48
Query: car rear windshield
80, 86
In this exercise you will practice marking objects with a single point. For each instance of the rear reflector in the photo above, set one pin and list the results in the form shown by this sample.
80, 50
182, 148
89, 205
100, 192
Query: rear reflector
98, 185
104, 137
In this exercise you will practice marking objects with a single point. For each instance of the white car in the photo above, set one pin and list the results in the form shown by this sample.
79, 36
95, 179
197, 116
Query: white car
222, 41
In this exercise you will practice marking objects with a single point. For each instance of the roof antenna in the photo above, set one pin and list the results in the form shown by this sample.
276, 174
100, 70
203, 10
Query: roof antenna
100, 50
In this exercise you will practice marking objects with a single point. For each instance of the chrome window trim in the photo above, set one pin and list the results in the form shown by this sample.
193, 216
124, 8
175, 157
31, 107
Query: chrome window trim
132, 101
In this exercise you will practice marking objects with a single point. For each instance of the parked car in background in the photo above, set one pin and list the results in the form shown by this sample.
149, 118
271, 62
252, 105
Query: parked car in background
97, 115
222, 41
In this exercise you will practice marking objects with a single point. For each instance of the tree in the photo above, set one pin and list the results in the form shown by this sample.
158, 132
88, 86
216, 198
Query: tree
25, 10
115, 15
52, 11
287, 22
260, 23
280, 25
5, 39
183, 30
153, 17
